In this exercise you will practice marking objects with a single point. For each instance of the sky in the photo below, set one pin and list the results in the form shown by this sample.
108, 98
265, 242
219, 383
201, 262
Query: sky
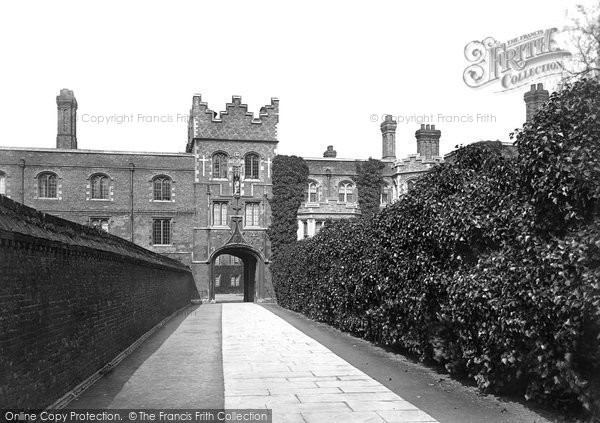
336, 68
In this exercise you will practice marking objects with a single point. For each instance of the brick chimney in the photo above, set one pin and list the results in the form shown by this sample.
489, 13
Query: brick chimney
534, 99
428, 141
388, 132
67, 120
330, 152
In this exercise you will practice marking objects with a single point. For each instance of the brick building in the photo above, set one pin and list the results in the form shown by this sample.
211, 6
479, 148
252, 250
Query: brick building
210, 203
332, 194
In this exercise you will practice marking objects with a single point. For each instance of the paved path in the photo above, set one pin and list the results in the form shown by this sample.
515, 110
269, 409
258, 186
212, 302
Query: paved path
269, 363
177, 367
241, 355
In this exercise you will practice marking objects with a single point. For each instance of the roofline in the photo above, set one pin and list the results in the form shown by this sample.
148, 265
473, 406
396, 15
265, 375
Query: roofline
79, 151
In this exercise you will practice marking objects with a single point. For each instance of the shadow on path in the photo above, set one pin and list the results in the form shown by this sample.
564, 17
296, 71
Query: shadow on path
150, 375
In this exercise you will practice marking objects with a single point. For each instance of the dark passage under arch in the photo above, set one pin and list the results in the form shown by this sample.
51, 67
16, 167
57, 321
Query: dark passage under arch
253, 270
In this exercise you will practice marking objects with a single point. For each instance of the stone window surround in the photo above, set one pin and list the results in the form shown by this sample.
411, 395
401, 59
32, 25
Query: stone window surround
227, 167
348, 185
247, 203
58, 185
151, 182
89, 187
212, 214
260, 159
171, 226
317, 192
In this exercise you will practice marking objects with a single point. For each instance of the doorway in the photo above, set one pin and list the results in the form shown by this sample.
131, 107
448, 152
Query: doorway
234, 271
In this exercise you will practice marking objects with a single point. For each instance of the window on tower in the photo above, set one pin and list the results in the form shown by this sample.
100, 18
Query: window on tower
219, 168
220, 213
253, 214
251, 163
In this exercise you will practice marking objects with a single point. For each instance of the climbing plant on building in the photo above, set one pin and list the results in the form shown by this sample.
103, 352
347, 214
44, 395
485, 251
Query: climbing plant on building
369, 182
290, 177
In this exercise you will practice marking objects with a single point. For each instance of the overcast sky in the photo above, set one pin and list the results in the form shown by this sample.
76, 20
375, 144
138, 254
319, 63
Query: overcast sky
332, 65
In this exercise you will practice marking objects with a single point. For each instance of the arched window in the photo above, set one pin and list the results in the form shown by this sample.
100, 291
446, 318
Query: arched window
385, 196
313, 192
219, 168
99, 185
251, 162
47, 182
345, 192
2, 183
162, 188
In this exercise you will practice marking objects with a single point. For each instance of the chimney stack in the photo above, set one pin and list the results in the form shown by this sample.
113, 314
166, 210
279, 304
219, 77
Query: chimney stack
330, 152
67, 120
428, 141
388, 132
534, 99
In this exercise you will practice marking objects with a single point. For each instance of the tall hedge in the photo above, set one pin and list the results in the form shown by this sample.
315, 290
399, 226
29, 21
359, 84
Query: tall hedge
369, 182
290, 179
490, 266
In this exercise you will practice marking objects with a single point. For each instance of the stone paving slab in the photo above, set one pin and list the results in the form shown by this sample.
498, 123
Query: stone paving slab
178, 367
300, 379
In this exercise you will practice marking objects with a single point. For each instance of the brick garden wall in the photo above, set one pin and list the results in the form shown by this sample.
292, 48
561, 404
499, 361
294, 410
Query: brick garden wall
71, 299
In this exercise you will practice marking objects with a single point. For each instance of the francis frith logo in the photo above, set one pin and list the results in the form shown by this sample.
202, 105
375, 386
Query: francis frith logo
513, 63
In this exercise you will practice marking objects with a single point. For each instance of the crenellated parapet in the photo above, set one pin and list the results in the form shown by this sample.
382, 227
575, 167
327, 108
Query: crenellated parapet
416, 163
233, 124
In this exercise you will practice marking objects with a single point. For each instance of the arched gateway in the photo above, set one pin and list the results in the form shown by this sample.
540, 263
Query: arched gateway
253, 264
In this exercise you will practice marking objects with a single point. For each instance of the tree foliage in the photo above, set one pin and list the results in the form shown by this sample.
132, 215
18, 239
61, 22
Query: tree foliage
369, 182
489, 266
585, 40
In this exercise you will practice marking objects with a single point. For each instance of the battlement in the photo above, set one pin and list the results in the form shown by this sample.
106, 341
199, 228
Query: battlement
235, 123
415, 162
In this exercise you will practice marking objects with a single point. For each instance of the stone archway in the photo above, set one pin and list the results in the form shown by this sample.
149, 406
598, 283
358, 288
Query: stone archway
253, 273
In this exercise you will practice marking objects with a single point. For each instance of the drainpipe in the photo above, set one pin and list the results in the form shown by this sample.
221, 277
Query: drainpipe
22, 166
131, 170
328, 174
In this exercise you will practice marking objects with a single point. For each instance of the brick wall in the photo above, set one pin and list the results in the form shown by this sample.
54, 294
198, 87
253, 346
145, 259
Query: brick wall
71, 299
